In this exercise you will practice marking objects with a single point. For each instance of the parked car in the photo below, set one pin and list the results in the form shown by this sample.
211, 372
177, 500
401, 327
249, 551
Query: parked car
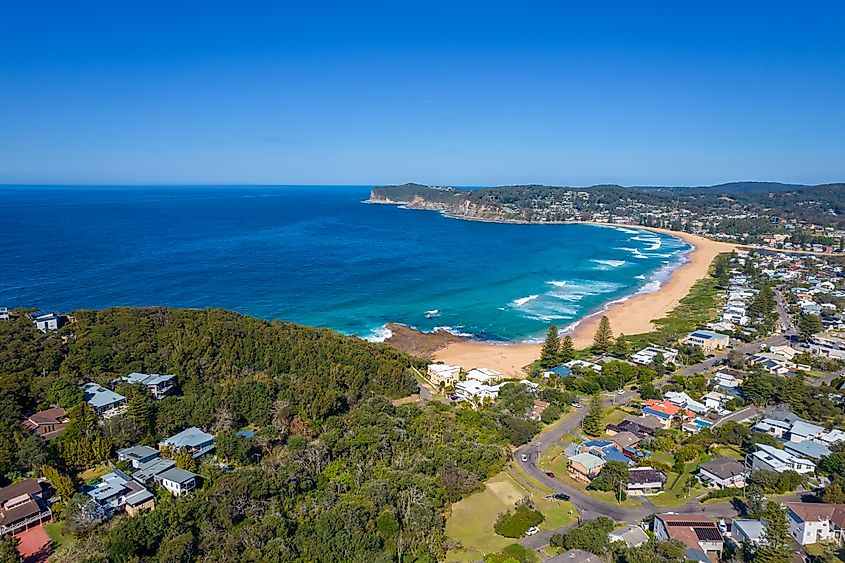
532, 530
550, 474
523, 457
620, 392
577, 405
561, 496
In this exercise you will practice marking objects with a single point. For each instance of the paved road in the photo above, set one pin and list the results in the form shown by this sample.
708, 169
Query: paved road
740, 415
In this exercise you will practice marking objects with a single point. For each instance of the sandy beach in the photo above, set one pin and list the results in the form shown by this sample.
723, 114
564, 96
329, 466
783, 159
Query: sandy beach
633, 316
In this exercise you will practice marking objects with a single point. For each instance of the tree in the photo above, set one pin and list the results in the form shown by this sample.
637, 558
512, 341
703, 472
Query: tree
621, 348
603, 337
139, 409
612, 477
550, 353
592, 421
776, 539
833, 494
721, 270
83, 514
567, 349
61, 483
590, 536
9, 549
808, 325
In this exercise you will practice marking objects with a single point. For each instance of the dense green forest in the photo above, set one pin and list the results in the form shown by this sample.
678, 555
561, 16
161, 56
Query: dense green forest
334, 472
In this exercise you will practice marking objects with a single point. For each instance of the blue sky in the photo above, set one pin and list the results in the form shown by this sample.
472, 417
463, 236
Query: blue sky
449, 93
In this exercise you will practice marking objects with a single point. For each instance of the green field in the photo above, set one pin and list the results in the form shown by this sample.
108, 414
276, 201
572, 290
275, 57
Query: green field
57, 533
732, 452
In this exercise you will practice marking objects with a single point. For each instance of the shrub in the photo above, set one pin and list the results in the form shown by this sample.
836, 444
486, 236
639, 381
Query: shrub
514, 524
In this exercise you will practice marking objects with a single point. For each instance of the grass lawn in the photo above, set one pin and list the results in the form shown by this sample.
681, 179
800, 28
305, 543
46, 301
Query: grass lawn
472, 519
614, 415
553, 460
732, 452
663, 457
676, 493
604, 496
94, 473
57, 533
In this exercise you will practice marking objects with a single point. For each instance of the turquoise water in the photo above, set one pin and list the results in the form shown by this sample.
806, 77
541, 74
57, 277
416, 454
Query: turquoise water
315, 255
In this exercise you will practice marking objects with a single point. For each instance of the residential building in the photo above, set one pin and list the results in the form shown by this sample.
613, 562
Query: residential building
684, 401
47, 424
647, 355
802, 430
193, 440
808, 449
625, 442
472, 390
723, 473
4, 314
137, 456
574, 556
159, 385
146, 472
45, 321
642, 426
830, 438
746, 530
716, 401
700, 535
584, 467
538, 409
105, 402
828, 345
728, 378
583, 364
630, 535
816, 522
442, 374
772, 427
483, 375
773, 459
177, 481
23, 506
707, 340
117, 491
603, 449
643, 481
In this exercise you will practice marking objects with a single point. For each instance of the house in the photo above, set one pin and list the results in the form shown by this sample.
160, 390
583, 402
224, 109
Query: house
137, 456
707, 340
472, 390
538, 409
584, 467
117, 491
828, 345
146, 472
177, 481
45, 320
808, 449
442, 374
483, 375
4, 314
723, 473
773, 459
583, 364
802, 430
830, 438
746, 530
647, 355
728, 378
715, 401
604, 449
641, 426
574, 556
684, 401
47, 424
700, 535
643, 481
625, 442
630, 535
23, 506
772, 427
664, 411
816, 522
105, 402
559, 371
772, 363
159, 385
193, 440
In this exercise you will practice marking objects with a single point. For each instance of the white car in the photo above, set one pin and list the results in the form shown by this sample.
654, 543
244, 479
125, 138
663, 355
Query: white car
576, 405
620, 392
524, 457
531, 531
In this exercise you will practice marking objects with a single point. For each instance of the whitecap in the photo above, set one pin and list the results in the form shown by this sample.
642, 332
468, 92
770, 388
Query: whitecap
523, 300
640, 277
609, 263
379, 334
433, 313
556, 283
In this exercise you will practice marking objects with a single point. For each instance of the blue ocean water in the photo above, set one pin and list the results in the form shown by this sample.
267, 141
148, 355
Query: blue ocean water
314, 255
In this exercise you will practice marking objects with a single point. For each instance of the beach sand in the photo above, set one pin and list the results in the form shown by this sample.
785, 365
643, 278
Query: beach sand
633, 316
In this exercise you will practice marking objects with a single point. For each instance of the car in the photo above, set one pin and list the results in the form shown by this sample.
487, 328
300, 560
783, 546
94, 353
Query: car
454, 398
577, 405
523, 457
532, 530
561, 496
620, 392
550, 474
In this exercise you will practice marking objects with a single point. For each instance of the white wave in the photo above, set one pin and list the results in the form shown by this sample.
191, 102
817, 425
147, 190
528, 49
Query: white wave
433, 313
635, 252
657, 244
379, 334
453, 330
628, 231
610, 263
556, 283
523, 300
640, 277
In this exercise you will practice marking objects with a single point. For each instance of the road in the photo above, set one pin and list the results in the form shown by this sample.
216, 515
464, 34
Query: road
751, 347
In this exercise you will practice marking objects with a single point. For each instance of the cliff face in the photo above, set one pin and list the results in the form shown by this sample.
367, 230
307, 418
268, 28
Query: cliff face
449, 201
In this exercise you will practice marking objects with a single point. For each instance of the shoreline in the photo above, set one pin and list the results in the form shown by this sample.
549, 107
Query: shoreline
628, 315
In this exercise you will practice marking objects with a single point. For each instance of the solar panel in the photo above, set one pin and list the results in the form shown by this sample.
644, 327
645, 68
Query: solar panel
688, 524
707, 534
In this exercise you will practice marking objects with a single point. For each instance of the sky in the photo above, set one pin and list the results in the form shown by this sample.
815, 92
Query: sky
458, 93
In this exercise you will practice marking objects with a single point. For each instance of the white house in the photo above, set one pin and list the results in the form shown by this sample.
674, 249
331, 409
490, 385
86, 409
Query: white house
177, 481
646, 355
773, 459
583, 364
159, 385
828, 345
105, 402
473, 390
443, 374
45, 320
483, 375
723, 473
802, 430
815, 522
684, 401
707, 340
193, 440
4, 314
715, 400
728, 378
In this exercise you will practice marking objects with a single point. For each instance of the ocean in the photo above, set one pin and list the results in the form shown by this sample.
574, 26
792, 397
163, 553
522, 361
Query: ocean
315, 255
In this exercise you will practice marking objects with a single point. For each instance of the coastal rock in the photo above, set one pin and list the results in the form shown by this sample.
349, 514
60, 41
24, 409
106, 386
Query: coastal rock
419, 343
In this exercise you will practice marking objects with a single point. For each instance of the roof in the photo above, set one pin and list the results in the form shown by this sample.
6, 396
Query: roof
25, 487
814, 512
98, 396
588, 461
147, 378
805, 428
191, 437
640, 476
776, 457
690, 529
753, 529
152, 468
630, 534
48, 416
624, 439
708, 334
724, 468
808, 448
574, 556
137, 452
177, 475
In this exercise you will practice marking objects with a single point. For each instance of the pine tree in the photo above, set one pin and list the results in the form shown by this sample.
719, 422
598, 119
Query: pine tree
808, 326
621, 348
593, 419
567, 349
776, 539
603, 338
550, 354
